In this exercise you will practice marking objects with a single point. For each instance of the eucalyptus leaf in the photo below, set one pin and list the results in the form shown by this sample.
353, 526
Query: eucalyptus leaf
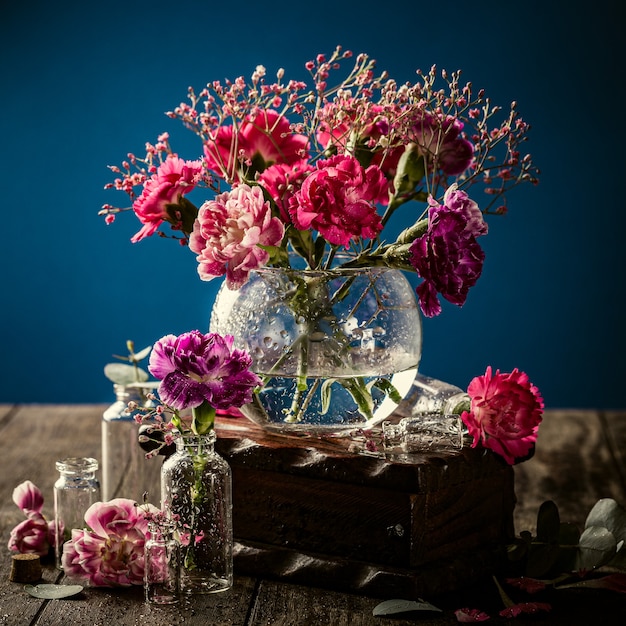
124, 374
52, 592
597, 547
142, 354
541, 559
396, 607
607, 513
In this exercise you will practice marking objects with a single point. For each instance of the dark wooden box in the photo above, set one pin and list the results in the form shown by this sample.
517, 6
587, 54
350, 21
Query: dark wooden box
309, 511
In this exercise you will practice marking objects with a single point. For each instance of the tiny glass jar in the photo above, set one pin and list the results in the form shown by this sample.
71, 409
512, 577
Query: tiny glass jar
196, 492
162, 564
76, 489
424, 432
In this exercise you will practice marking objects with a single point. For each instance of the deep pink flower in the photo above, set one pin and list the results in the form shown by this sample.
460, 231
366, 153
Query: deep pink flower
440, 140
506, 410
173, 178
229, 232
528, 608
194, 368
261, 140
282, 181
28, 497
111, 554
32, 536
338, 199
448, 258
470, 616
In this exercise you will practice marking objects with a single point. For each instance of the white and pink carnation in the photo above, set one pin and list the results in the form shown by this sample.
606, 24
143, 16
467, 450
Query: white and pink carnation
111, 552
231, 232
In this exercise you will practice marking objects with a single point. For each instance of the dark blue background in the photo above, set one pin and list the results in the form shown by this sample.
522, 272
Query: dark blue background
84, 83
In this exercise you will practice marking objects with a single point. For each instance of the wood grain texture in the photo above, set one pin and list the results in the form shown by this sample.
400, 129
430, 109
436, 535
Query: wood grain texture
580, 457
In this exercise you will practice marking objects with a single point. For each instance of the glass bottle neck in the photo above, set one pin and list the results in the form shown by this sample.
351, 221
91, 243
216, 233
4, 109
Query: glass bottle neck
196, 444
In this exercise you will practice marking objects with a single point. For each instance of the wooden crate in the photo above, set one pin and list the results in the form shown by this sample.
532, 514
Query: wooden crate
309, 511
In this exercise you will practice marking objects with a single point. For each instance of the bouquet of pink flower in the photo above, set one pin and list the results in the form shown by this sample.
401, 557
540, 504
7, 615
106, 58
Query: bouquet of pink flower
316, 169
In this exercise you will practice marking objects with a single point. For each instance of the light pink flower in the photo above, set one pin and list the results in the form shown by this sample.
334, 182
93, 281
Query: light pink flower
173, 178
28, 497
32, 536
262, 140
338, 199
526, 608
506, 410
111, 554
229, 232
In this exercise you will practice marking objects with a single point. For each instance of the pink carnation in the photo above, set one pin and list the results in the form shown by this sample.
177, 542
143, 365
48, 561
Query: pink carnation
282, 181
440, 140
28, 497
32, 536
229, 232
111, 554
261, 140
338, 199
506, 410
173, 178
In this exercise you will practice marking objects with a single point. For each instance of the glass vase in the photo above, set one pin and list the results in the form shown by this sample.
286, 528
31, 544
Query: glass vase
336, 349
161, 565
196, 492
126, 472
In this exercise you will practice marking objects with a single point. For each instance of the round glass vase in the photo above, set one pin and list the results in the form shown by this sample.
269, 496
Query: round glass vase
336, 349
196, 492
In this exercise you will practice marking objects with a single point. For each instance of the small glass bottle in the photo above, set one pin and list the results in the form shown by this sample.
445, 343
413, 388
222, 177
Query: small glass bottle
76, 489
425, 432
162, 564
429, 395
126, 472
196, 491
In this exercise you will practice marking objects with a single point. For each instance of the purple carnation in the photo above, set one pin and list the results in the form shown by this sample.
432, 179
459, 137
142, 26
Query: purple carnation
448, 258
194, 368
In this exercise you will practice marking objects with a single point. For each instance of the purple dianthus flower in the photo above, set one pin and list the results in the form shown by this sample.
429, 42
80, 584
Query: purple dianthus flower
194, 368
447, 256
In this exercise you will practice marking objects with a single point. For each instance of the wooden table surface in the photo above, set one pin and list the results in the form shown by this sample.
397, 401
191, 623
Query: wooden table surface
580, 458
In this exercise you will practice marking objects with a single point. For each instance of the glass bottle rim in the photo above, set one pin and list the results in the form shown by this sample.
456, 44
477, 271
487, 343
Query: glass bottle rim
77, 465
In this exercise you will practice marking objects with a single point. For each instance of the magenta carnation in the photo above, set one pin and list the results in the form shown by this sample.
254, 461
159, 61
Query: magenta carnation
173, 178
111, 554
506, 410
229, 232
338, 199
260, 141
195, 368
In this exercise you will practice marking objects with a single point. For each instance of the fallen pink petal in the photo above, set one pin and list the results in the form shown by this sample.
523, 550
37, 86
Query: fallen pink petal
470, 616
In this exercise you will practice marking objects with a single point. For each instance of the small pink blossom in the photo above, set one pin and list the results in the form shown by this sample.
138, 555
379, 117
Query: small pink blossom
172, 179
529, 585
506, 410
28, 497
229, 233
111, 554
32, 536
470, 616
338, 200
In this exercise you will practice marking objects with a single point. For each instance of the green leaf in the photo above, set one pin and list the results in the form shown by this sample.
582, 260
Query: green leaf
325, 393
548, 522
203, 418
607, 513
362, 397
541, 559
123, 374
597, 547
387, 388
403, 607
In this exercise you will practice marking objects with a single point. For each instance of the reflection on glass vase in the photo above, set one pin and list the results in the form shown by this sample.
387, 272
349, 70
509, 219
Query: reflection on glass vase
336, 349
196, 492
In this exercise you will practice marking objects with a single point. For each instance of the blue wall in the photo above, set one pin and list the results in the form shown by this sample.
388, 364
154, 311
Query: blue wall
84, 84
